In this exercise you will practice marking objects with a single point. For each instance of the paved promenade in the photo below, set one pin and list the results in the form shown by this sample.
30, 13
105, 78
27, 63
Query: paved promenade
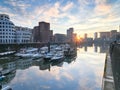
108, 82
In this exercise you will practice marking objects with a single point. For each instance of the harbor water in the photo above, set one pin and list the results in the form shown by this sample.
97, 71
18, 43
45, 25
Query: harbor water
81, 72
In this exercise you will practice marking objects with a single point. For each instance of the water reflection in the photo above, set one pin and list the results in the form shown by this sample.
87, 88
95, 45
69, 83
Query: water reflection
101, 48
81, 72
115, 56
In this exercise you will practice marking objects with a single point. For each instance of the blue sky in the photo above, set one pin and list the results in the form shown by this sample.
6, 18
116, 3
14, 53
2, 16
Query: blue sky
85, 16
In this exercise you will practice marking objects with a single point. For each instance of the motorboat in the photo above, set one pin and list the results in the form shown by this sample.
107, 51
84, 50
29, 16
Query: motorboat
57, 57
31, 52
37, 56
48, 56
7, 53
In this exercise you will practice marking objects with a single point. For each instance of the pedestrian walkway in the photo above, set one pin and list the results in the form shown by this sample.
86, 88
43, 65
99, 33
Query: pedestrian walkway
108, 81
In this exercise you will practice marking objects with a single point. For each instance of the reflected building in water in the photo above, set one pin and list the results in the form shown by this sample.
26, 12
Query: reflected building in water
9, 66
24, 64
85, 48
95, 48
104, 48
45, 66
101, 48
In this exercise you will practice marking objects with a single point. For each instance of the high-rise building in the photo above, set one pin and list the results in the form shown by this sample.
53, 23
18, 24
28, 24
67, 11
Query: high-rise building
70, 34
7, 30
85, 36
23, 34
51, 36
42, 32
75, 37
95, 35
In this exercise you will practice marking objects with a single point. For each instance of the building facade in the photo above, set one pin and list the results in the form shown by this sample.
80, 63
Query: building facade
42, 32
95, 35
70, 35
60, 38
113, 33
23, 34
104, 34
7, 30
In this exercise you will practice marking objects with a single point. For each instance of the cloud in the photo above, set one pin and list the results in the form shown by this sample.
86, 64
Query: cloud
68, 6
102, 8
52, 11
68, 76
18, 6
85, 15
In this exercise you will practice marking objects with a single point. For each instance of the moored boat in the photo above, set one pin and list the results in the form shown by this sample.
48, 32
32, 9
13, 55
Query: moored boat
48, 56
7, 53
57, 57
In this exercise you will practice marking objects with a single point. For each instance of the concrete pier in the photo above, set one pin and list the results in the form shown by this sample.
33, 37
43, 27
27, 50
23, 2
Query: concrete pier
108, 80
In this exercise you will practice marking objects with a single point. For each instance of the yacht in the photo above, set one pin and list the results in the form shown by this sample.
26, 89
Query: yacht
31, 52
48, 56
57, 57
6, 53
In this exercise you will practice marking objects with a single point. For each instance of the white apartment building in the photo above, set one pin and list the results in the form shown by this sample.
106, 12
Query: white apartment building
9, 33
23, 34
7, 30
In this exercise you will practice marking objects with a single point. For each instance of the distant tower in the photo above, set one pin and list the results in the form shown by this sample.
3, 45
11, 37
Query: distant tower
95, 35
70, 34
85, 36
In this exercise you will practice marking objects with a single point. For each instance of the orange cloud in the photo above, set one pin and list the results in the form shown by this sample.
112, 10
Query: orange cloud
103, 8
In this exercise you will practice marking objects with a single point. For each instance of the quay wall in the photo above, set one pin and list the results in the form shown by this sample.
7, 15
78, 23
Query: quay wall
6, 47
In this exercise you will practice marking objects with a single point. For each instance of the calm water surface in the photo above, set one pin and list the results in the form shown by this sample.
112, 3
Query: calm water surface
83, 72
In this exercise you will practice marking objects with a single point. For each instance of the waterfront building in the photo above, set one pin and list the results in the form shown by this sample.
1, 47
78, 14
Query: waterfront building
75, 39
70, 34
95, 35
24, 64
51, 36
60, 38
113, 33
85, 36
7, 30
105, 36
42, 32
23, 34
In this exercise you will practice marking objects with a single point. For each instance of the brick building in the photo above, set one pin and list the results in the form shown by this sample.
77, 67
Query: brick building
42, 33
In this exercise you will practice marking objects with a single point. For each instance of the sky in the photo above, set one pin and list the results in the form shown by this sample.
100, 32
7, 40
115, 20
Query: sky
85, 16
